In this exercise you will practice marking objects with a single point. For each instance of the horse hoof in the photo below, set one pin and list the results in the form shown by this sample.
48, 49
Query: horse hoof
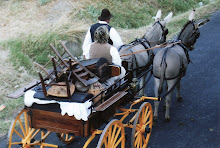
167, 120
180, 99
155, 119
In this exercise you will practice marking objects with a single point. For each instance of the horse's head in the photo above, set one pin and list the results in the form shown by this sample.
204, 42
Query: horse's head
190, 32
157, 33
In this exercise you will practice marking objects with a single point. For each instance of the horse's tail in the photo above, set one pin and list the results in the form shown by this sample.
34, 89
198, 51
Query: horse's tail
162, 75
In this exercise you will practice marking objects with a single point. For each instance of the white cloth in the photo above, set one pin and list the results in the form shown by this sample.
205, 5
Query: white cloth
114, 36
78, 110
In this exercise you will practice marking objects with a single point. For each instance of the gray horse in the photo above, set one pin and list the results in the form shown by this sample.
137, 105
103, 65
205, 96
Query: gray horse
156, 35
171, 62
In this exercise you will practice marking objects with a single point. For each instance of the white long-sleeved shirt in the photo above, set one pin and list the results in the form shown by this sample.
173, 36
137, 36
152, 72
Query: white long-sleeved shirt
114, 36
113, 52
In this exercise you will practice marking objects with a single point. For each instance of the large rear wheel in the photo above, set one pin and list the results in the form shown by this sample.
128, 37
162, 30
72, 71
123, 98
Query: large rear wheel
22, 135
142, 126
113, 136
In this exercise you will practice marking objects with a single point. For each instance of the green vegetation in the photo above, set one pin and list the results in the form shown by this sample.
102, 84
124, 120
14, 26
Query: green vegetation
135, 14
34, 48
10, 112
43, 2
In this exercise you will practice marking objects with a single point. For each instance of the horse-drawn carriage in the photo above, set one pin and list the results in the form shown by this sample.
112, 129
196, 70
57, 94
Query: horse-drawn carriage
81, 105
68, 103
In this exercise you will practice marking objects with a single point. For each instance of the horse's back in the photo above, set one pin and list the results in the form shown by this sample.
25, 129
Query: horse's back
172, 63
139, 59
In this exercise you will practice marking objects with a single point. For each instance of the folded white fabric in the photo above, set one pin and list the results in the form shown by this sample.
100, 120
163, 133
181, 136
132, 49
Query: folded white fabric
78, 110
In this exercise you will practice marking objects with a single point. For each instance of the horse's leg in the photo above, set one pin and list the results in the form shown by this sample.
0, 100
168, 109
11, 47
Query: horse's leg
170, 84
178, 96
142, 93
166, 89
156, 103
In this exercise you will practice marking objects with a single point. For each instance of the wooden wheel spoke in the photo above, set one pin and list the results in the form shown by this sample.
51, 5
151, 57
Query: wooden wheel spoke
113, 133
18, 133
116, 136
119, 141
66, 137
22, 128
144, 139
136, 140
144, 112
16, 143
141, 141
147, 117
137, 133
105, 142
26, 122
36, 132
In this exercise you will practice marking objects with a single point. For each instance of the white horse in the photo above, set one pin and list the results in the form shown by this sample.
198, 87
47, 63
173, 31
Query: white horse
156, 35
171, 62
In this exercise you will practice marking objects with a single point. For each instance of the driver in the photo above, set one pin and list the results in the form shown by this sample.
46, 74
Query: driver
101, 48
104, 19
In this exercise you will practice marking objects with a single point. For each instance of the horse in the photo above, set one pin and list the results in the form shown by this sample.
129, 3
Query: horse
156, 35
170, 64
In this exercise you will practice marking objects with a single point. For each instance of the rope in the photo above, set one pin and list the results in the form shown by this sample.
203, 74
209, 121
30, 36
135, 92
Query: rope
149, 49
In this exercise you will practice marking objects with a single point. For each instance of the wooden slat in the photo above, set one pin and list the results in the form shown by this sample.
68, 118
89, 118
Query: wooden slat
20, 92
110, 101
55, 122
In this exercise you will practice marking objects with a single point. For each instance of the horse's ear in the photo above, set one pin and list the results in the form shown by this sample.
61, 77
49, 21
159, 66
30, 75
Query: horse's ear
167, 19
192, 15
158, 15
202, 22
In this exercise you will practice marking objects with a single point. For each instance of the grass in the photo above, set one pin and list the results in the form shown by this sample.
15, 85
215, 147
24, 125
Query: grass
135, 14
34, 48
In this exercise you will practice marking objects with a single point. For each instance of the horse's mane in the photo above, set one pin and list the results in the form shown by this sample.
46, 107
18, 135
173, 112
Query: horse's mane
184, 27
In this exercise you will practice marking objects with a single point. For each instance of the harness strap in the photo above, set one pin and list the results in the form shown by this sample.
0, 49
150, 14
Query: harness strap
149, 49
186, 49
160, 98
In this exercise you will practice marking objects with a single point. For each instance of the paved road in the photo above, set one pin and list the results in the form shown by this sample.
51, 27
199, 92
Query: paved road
194, 121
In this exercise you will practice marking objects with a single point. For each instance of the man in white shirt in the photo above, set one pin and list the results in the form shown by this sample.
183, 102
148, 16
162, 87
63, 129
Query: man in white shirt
104, 19
100, 48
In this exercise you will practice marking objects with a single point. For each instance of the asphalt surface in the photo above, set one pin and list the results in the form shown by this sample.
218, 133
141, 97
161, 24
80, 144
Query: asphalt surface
194, 121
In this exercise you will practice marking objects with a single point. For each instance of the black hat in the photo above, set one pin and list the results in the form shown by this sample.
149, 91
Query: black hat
105, 15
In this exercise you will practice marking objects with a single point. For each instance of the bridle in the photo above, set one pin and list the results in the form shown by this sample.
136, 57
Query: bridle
196, 28
164, 30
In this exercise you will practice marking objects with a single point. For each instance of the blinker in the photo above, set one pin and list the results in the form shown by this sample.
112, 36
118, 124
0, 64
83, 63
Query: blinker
166, 31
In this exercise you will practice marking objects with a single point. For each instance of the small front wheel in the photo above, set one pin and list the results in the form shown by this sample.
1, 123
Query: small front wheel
113, 135
142, 126
65, 138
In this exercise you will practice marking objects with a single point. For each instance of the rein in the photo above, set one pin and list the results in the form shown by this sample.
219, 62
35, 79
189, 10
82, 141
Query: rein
139, 42
150, 48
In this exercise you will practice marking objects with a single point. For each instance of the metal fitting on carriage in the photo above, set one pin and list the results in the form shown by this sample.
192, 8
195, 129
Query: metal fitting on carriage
134, 85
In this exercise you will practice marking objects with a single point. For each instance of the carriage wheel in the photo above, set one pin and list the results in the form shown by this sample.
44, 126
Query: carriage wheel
22, 135
142, 126
65, 138
113, 135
